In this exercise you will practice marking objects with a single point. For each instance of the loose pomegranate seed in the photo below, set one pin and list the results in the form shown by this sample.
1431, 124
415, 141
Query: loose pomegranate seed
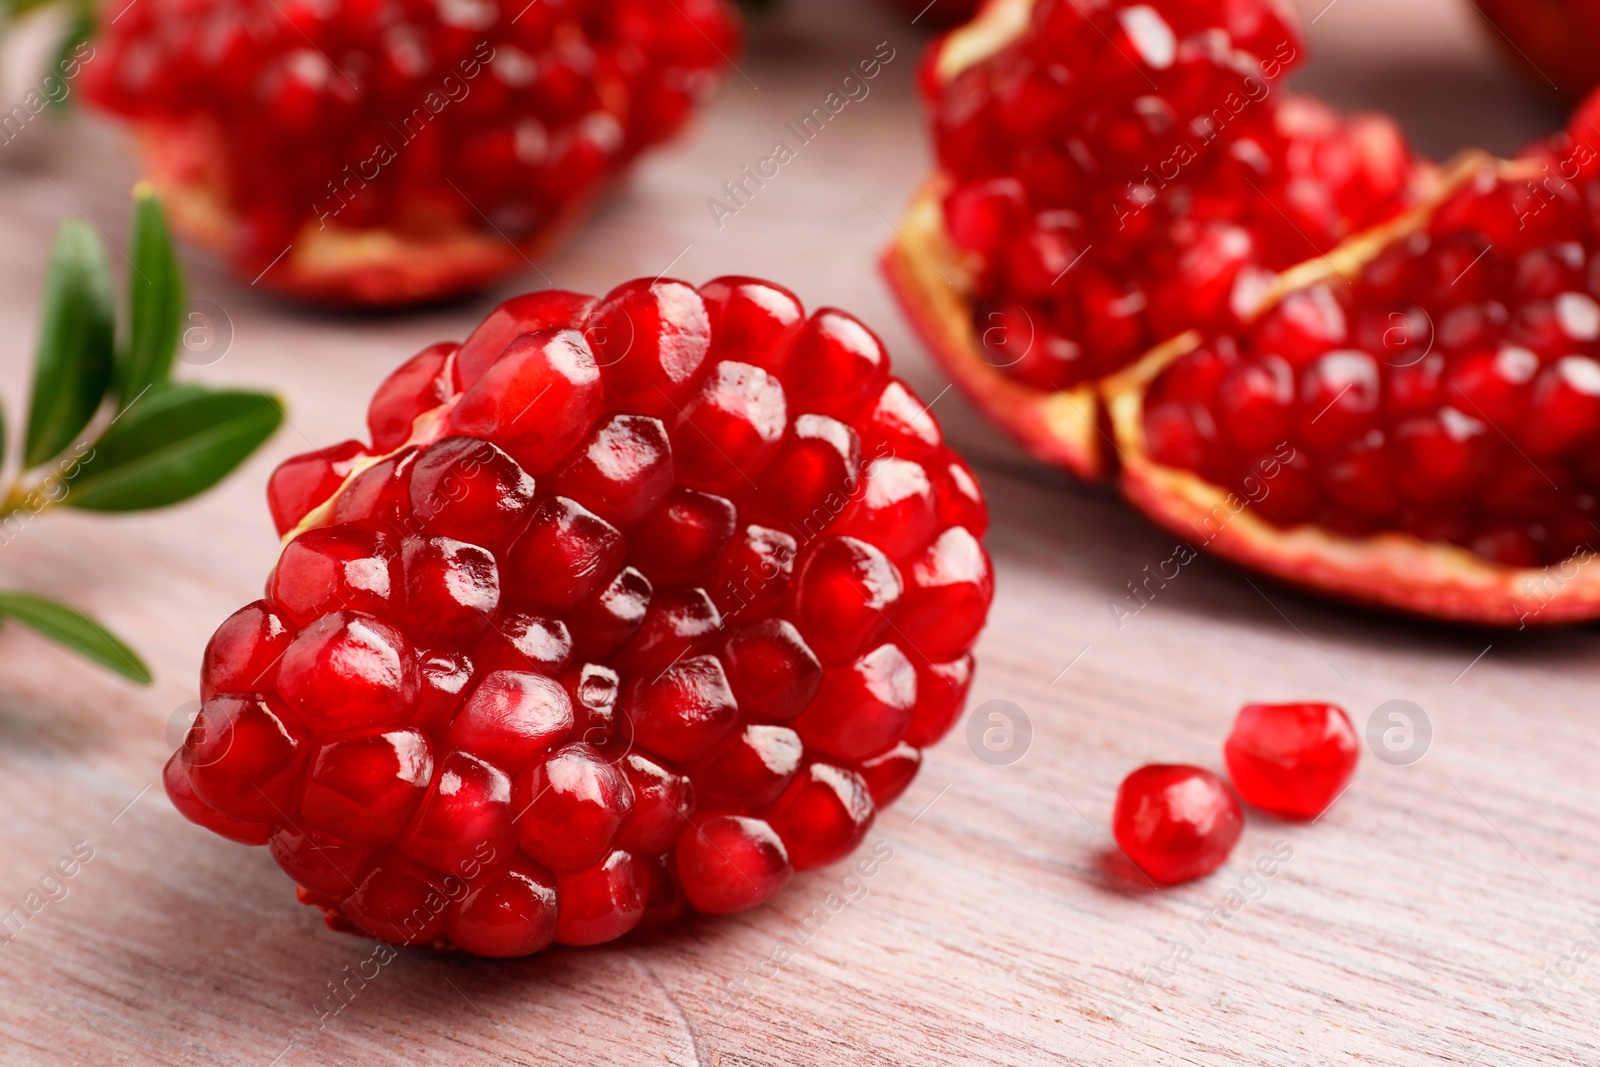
1176, 823
548, 684
1292, 759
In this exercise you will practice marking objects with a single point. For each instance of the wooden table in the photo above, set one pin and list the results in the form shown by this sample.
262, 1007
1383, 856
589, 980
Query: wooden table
1436, 915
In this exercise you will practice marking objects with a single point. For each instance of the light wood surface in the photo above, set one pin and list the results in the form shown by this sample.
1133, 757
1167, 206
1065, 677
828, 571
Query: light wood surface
1407, 926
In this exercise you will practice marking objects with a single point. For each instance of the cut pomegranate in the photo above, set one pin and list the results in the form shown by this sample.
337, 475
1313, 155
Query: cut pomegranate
1176, 823
365, 154
1550, 41
521, 682
1397, 414
1292, 760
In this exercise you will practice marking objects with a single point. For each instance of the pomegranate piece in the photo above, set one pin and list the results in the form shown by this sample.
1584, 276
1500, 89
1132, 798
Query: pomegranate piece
402, 155
1400, 417
1548, 41
1292, 760
1176, 823
520, 683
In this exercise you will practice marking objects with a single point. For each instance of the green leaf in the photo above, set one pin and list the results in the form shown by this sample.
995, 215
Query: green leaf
175, 442
76, 631
76, 337
155, 299
79, 29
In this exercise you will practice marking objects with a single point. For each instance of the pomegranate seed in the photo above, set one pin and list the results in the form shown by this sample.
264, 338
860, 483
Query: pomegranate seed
573, 804
509, 914
822, 816
729, 863
1292, 760
1176, 823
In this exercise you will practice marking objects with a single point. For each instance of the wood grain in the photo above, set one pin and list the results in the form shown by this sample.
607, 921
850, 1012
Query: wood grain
988, 924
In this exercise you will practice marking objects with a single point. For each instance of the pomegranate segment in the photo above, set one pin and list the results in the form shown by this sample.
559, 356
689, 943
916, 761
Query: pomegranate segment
387, 154
528, 682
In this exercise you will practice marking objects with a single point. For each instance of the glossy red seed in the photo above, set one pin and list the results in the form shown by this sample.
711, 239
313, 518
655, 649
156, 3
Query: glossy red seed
837, 366
894, 508
771, 670
243, 654
601, 903
348, 671
728, 863
649, 339
451, 589
861, 709
364, 789
811, 477
175, 779
512, 718
566, 554
662, 804
948, 591
941, 697
552, 309
683, 711
594, 690
822, 816
525, 641
442, 678
844, 592
622, 471
468, 489
608, 620
683, 536
301, 483
419, 385
376, 497
751, 321
901, 423
740, 412
466, 810
241, 756
572, 806
537, 401
511, 913
1292, 760
393, 902
677, 621
320, 863
664, 899
753, 576
1176, 823
333, 568
750, 768
889, 774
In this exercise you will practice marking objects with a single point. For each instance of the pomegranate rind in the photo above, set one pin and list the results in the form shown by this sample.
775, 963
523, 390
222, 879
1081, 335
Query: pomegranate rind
927, 274
336, 265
